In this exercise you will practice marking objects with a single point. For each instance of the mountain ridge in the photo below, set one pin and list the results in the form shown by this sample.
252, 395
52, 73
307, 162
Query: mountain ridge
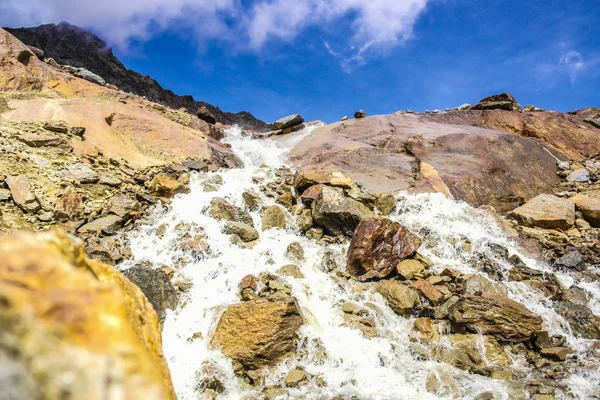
76, 46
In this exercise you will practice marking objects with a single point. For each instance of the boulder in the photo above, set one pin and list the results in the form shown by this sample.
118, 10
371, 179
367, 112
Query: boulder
502, 101
70, 206
480, 284
408, 268
378, 246
496, 315
107, 225
580, 175
427, 290
310, 194
399, 297
287, 122
163, 185
595, 122
157, 288
338, 214
20, 191
258, 333
56, 126
386, 203
80, 173
245, 232
64, 315
205, 115
546, 211
39, 53
589, 207
123, 205
581, 319
360, 114
274, 217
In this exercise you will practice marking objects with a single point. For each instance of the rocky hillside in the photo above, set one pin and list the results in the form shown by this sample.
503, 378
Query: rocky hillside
71, 45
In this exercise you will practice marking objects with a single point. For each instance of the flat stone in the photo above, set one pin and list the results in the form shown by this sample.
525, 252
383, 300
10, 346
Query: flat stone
555, 353
589, 207
546, 211
289, 121
80, 173
427, 290
244, 231
399, 297
21, 193
40, 139
580, 175
110, 180
196, 165
122, 205
56, 126
107, 225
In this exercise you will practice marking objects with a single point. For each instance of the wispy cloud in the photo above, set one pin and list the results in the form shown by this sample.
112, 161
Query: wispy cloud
370, 25
573, 63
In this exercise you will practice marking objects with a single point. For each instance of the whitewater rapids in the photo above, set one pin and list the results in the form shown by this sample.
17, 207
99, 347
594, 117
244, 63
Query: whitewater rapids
384, 367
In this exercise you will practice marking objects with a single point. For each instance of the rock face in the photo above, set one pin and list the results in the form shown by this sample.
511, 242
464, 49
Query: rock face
71, 45
415, 153
502, 101
64, 315
378, 246
546, 211
258, 333
337, 214
288, 122
496, 315
157, 288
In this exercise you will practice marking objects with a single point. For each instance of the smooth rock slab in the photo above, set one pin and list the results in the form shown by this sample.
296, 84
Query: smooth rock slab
378, 246
80, 173
258, 333
21, 193
286, 122
546, 211
580, 175
107, 225
589, 207
496, 315
39, 139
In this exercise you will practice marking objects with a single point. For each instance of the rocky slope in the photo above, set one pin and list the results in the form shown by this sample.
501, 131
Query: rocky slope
71, 45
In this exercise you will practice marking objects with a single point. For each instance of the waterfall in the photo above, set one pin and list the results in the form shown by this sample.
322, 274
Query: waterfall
383, 367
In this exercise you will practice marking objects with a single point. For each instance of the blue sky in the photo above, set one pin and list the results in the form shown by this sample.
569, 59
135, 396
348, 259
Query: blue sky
328, 58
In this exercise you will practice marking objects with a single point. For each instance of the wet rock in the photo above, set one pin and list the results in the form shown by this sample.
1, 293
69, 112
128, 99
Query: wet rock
196, 165
80, 173
107, 225
304, 220
40, 139
222, 210
274, 217
386, 203
546, 211
555, 353
252, 200
425, 331
480, 284
471, 350
583, 322
291, 270
205, 115
360, 114
442, 311
428, 291
295, 378
575, 295
275, 393
310, 194
163, 185
408, 268
288, 122
499, 316
286, 199
378, 246
544, 281
571, 260
123, 205
209, 379
157, 288
295, 252
66, 316
244, 231
70, 206
304, 180
589, 207
20, 191
580, 175
258, 333
315, 233
502, 101
399, 297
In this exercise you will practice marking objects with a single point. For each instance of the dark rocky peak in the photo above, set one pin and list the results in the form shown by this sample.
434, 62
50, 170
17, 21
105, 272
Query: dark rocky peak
71, 45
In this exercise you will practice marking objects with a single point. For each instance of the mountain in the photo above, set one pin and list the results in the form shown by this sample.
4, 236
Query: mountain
72, 45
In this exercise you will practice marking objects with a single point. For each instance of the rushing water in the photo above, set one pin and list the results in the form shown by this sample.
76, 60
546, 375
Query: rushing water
384, 367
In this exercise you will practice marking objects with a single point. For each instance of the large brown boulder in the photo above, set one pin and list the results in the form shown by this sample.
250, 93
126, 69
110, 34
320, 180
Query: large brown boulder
389, 153
258, 333
63, 315
70, 206
399, 297
496, 315
546, 211
205, 115
589, 207
502, 101
338, 214
288, 122
378, 246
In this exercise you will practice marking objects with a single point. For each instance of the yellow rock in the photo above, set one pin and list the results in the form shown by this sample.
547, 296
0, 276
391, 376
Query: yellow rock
74, 328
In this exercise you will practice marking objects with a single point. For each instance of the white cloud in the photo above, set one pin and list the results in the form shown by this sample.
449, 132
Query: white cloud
371, 23
574, 64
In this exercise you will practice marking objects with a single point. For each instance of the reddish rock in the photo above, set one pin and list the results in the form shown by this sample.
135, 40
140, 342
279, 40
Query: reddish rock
310, 194
378, 246
21, 193
164, 186
427, 290
70, 206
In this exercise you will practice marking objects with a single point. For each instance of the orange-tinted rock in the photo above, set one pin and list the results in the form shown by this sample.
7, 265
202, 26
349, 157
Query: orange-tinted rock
164, 186
378, 246
427, 290
546, 211
70, 206
589, 207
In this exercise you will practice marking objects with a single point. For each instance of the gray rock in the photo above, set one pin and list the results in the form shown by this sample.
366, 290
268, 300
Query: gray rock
572, 259
155, 285
287, 122
244, 231
90, 76
107, 225
80, 173
196, 165
464, 107
5, 195
580, 175
595, 122
360, 114
564, 165
122, 205
110, 180
337, 214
